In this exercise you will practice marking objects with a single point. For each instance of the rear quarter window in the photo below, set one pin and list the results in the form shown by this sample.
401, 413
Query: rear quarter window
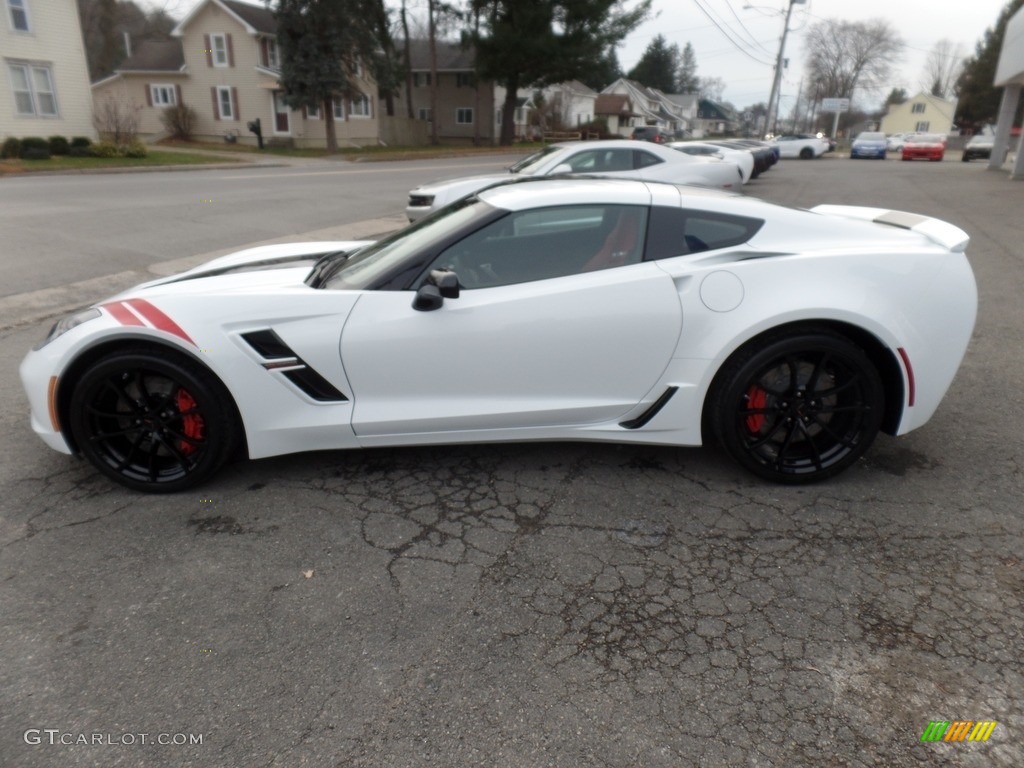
679, 231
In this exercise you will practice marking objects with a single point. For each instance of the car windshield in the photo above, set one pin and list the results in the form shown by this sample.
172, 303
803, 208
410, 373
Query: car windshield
373, 261
528, 165
871, 137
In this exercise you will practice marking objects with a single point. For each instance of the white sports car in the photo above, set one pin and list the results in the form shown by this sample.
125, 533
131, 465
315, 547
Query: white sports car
633, 159
548, 309
742, 157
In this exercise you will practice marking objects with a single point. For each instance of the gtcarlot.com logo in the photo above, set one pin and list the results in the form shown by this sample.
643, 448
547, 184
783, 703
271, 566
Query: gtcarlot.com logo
54, 736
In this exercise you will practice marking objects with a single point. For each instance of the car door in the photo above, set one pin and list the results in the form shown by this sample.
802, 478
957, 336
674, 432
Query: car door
559, 323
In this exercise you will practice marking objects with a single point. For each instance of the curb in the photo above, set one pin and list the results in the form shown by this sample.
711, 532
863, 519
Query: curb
235, 166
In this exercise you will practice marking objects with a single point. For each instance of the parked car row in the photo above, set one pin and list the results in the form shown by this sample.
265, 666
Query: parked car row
614, 157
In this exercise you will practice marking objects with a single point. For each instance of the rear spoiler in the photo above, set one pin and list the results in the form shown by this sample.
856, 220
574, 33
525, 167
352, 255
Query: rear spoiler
941, 232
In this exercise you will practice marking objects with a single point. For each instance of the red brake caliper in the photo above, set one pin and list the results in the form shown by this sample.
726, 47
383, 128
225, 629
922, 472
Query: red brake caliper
757, 398
192, 423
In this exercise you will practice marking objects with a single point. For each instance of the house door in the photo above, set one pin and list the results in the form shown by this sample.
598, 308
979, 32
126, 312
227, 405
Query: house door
281, 114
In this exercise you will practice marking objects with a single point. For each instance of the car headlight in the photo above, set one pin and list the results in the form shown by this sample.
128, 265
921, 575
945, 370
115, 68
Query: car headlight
65, 324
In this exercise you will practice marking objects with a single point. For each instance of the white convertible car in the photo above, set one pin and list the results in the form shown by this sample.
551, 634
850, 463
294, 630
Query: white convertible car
546, 309
741, 156
633, 159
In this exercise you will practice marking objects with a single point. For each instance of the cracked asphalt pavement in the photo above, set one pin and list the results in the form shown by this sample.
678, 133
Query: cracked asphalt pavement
543, 604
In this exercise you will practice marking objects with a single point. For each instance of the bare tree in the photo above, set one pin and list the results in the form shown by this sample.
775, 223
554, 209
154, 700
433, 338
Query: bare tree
942, 68
117, 119
846, 56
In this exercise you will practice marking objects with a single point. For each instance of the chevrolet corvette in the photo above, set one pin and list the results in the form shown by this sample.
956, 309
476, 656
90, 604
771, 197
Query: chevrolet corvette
547, 309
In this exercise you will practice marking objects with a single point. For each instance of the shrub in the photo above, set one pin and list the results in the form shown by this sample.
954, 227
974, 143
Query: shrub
80, 152
179, 121
117, 120
106, 149
35, 153
135, 149
33, 142
81, 141
11, 148
59, 145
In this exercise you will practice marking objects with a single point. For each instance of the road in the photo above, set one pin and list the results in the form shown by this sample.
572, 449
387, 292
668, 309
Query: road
60, 229
538, 605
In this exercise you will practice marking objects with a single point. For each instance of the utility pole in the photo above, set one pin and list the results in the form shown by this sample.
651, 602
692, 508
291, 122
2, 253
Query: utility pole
777, 81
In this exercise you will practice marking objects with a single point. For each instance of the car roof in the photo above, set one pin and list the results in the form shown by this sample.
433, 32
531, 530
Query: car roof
539, 192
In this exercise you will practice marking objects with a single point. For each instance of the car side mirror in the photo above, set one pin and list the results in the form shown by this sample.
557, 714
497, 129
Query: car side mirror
447, 282
428, 298
560, 169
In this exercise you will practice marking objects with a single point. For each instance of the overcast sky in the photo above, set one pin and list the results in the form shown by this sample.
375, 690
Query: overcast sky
759, 27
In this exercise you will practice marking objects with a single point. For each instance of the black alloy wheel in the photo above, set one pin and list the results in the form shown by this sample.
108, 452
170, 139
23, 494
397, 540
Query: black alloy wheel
154, 421
799, 406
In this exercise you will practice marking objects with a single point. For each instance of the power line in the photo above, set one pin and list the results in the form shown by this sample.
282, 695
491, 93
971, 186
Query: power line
739, 47
744, 28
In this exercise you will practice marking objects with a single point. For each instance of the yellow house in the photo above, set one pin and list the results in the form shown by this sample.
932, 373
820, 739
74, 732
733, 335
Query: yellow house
224, 63
44, 90
923, 113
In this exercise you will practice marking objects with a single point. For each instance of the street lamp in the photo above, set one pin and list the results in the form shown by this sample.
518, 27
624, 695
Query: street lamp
777, 80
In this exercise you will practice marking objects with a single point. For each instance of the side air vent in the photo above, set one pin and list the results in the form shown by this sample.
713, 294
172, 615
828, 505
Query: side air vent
279, 357
651, 412
314, 385
268, 344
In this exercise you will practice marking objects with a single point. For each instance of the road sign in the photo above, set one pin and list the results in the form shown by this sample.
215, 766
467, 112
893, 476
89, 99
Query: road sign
835, 105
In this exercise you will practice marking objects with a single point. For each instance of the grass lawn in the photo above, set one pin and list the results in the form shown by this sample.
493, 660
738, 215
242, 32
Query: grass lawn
64, 163
364, 153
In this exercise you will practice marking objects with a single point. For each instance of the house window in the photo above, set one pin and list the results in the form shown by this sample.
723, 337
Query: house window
339, 109
357, 69
420, 79
359, 106
163, 95
225, 105
922, 126
18, 15
313, 113
33, 90
918, 109
272, 60
463, 79
464, 116
219, 49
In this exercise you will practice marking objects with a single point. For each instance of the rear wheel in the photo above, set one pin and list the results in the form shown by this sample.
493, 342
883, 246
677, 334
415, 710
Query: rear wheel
153, 421
798, 406
806, 153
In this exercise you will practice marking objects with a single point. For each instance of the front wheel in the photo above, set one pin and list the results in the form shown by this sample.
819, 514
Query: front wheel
797, 406
153, 421
806, 153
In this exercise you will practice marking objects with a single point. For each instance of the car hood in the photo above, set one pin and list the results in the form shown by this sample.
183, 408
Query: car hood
270, 266
465, 184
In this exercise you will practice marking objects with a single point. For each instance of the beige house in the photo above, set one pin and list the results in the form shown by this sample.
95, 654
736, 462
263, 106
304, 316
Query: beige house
45, 86
225, 64
922, 114
466, 109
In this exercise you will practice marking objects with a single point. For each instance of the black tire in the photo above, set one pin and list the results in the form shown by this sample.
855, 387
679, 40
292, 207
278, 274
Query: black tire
154, 421
797, 406
806, 153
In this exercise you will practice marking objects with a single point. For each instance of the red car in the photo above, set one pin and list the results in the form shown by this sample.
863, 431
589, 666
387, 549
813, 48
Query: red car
924, 146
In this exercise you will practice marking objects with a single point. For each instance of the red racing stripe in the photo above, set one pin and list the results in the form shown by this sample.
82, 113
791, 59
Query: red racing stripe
158, 319
121, 313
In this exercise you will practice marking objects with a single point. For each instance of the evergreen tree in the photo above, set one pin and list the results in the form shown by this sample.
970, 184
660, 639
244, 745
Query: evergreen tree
321, 43
606, 70
686, 79
978, 97
539, 42
896, 96
659, 66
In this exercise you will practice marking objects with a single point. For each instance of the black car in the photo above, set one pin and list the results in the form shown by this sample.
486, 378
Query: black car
650, 133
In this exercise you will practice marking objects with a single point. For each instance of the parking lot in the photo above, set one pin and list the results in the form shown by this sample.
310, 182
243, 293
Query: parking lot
541, 604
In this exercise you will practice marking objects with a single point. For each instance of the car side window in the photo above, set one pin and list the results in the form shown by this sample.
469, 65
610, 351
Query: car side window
679, 231
642, 159
544, 243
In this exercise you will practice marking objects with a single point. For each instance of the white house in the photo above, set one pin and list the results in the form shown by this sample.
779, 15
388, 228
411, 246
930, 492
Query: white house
45, 90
